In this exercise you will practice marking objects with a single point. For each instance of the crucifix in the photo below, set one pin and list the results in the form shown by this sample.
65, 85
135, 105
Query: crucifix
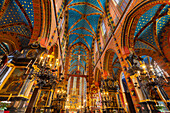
78, 58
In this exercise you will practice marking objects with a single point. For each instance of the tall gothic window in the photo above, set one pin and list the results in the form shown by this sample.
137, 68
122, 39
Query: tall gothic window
62, 22
116, 1
103, 28
96, 50
126, 1
56, 5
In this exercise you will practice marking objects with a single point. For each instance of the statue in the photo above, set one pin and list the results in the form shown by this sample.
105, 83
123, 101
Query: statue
133, 61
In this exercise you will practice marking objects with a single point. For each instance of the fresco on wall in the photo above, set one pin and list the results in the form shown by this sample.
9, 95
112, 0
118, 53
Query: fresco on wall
14, 83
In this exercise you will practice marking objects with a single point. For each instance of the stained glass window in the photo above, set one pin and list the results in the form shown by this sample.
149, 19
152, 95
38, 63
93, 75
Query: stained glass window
126, 1
96, 48
62, 23
116, 1
103, 28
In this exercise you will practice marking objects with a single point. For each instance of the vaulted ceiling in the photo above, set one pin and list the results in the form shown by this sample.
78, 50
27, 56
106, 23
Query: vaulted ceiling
147, 31
83, 21
17, 19
150, 27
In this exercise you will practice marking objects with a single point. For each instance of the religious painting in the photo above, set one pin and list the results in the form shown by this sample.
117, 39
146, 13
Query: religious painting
14, 82
43, 98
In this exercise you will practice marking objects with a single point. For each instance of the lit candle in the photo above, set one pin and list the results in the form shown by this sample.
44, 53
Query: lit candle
50, 65
56, 63
44, 61
48, 56
40, 60
164, 76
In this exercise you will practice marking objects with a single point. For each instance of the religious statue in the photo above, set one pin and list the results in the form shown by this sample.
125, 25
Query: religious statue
133, 62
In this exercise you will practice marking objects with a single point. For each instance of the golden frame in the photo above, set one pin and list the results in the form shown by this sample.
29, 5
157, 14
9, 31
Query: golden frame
10, 65
46, 100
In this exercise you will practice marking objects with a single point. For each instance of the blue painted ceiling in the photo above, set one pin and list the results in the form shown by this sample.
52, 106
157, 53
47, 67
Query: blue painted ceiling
14, 19
115, 65
78, 58
4, 48
83, 19
150, 30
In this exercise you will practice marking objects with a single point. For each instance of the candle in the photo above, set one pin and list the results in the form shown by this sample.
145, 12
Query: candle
44, 60
47, 58
40, 60
34, 61
164, 76
50, 65
28, 64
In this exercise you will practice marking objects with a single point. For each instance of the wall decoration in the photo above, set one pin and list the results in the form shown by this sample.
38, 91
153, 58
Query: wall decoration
14, 82
43, 98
